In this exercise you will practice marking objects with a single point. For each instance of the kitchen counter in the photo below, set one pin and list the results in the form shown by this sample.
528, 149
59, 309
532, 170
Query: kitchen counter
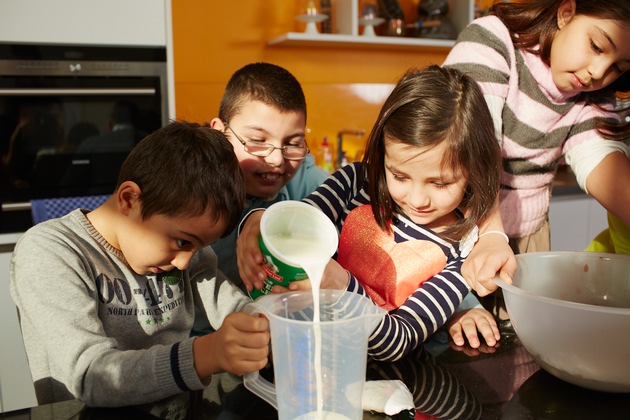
506, 384
575, 218
564, 182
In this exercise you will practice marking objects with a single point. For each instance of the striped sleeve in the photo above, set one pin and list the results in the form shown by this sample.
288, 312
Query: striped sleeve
485, 51
426, 310
339, 194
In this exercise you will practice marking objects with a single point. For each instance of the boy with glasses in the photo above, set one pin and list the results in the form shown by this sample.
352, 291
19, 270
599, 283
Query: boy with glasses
263, 114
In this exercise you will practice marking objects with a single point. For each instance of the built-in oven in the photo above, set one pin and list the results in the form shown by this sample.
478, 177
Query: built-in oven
69, 115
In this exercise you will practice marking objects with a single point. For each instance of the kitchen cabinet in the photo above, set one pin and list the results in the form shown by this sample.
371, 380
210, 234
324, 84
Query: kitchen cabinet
575, 220
16, 384
73, 22
79, 22
346, 30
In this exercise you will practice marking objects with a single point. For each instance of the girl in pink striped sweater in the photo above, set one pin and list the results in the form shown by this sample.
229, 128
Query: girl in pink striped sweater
549, 71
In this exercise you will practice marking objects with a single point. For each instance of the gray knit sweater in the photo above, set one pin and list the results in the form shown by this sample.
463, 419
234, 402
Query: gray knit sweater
95, 330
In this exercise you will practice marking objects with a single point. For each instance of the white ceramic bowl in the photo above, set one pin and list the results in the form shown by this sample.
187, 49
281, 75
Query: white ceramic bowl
571, 311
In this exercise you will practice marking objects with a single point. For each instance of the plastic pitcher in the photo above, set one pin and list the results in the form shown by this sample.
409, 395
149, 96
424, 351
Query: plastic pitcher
319, 367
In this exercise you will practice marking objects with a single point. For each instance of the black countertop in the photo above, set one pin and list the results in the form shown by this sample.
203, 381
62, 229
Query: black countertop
506, 384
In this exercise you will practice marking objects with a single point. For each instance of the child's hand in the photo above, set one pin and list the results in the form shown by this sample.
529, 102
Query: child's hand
240, 345
490, 256
248, 255
334, 277
467, 325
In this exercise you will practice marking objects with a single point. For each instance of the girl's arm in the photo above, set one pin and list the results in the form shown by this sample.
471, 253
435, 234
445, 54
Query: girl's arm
468, 324
490, 63
491, 256
332, 197
339, 194
426, 310
608, 184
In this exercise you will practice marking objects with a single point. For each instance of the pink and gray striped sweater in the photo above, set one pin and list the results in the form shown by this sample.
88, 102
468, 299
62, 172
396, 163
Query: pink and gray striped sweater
538, 123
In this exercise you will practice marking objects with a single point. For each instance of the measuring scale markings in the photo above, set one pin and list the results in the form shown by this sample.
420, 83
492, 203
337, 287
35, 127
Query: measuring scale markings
312, 256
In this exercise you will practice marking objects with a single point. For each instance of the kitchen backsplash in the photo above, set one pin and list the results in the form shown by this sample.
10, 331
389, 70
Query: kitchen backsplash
344, 87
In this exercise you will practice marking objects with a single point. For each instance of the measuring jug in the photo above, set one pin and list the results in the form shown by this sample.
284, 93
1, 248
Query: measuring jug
289, 231
319, 367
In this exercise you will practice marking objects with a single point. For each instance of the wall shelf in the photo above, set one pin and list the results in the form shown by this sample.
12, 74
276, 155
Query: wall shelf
346, 31
301, 39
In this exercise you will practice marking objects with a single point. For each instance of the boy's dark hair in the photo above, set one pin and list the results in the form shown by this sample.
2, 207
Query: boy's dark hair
265, 82
535, 22
185, 169
426, 108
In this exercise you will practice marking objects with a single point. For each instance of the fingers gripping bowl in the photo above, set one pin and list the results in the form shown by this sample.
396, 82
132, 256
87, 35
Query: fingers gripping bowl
571, 311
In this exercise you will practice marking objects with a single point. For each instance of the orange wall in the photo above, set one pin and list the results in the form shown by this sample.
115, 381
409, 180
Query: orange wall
344, 87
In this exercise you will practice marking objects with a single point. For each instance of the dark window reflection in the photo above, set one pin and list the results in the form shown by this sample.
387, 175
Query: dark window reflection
67, 145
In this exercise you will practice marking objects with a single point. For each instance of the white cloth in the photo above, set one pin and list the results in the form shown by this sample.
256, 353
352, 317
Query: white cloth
389, 397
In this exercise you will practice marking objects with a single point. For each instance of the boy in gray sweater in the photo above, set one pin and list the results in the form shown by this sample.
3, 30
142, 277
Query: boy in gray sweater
106, 298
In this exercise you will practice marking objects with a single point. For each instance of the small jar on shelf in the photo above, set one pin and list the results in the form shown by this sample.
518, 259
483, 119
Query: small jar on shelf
369, 17
310, 14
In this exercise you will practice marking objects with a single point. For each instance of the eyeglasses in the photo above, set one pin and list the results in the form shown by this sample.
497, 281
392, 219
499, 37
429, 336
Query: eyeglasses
263, 149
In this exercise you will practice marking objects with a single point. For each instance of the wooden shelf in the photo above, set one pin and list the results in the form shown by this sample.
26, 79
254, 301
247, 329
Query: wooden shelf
301, 39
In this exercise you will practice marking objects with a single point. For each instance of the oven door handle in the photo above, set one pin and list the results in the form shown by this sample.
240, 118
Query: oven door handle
76, 92
16, 206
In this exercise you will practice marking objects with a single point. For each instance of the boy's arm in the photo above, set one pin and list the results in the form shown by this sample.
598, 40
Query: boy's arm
133, 352
59, 302
619, 234
240, 342
240, 345
249, 257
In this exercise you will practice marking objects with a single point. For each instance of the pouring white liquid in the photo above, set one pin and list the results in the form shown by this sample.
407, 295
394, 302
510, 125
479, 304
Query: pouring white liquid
312, 256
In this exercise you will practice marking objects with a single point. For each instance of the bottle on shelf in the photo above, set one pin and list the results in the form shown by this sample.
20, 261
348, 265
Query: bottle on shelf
344, 159
327, 157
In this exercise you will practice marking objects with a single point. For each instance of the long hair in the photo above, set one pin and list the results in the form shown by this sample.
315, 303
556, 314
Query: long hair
533, 25
426, 108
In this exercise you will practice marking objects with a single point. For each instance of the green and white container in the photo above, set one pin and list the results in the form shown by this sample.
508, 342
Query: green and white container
300, 225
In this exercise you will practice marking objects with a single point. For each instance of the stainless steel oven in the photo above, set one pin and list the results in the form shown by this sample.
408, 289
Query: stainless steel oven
69, 115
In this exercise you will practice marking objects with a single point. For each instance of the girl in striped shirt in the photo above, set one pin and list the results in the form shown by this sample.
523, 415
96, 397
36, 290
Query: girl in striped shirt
408, 213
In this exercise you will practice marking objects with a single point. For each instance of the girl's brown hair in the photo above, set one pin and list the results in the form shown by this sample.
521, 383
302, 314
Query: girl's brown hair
428, 107
535, 22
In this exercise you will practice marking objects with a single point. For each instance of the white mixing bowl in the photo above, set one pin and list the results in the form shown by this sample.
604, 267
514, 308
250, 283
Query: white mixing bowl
571, 311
